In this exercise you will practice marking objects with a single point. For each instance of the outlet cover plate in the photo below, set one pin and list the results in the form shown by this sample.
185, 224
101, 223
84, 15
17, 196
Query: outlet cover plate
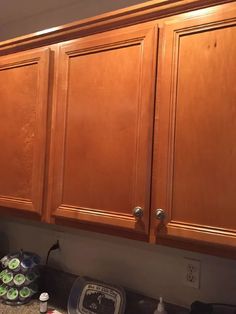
192, 271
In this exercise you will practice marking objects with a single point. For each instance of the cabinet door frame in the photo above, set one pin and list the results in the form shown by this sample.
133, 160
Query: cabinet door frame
164, 136
144, 35
40, 57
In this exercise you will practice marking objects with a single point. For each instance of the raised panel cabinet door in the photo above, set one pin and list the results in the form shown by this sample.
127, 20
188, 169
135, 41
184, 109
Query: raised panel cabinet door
194, 179
103, 119
23, 108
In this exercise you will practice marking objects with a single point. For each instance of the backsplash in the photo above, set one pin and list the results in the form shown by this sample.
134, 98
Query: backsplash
149, 269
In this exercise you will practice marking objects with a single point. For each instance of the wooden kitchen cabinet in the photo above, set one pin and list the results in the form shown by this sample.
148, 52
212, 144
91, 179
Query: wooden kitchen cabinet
103, 121
23, 108
141, 124
194, 168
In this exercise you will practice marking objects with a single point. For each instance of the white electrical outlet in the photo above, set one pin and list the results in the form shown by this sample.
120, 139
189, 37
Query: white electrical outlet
192, 273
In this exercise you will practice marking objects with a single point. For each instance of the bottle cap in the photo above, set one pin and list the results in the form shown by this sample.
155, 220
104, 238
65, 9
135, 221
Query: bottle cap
44, 297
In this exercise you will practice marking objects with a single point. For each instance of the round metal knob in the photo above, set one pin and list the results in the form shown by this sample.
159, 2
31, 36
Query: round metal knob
138, 212
160, 214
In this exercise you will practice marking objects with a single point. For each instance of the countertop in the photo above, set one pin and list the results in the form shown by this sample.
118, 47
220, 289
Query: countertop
33, 308
58, 284
29, 308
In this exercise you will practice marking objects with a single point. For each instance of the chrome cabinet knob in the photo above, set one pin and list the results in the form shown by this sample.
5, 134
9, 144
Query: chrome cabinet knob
160, 214
138, 212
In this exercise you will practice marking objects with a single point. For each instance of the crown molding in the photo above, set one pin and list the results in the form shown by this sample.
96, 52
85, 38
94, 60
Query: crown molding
144, 12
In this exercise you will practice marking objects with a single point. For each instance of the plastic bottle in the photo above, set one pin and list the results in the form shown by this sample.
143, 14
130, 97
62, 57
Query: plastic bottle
43, 302
160, 307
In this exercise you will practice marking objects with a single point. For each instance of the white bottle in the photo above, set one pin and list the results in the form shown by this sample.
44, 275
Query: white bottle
43, 304
160, 307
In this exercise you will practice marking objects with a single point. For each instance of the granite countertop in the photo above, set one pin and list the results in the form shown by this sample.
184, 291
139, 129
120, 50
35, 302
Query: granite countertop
33, 308
29, 308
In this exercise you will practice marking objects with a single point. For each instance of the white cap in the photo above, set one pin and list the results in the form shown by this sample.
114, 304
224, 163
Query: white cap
44, 297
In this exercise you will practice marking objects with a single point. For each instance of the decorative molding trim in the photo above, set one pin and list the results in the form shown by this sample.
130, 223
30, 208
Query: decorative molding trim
129, 16
97, 216
205, 234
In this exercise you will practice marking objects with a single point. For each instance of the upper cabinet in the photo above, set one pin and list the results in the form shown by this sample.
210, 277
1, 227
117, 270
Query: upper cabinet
103, 125
194, 169
138, 134
23, 108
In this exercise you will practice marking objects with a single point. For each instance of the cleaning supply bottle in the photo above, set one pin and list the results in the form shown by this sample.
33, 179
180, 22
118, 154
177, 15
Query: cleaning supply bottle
160, 307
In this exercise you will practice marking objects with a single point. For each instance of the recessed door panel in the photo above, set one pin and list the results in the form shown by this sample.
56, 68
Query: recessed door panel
194, 161
23, 95
105, 117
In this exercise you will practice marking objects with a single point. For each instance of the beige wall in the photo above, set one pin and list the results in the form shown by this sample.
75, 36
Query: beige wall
150, 269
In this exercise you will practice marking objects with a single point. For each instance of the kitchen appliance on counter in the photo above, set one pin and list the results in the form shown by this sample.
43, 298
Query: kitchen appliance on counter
19, 277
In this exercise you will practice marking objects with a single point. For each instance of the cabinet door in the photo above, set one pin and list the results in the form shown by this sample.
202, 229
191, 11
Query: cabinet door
100, 169
194, 176
23, 98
